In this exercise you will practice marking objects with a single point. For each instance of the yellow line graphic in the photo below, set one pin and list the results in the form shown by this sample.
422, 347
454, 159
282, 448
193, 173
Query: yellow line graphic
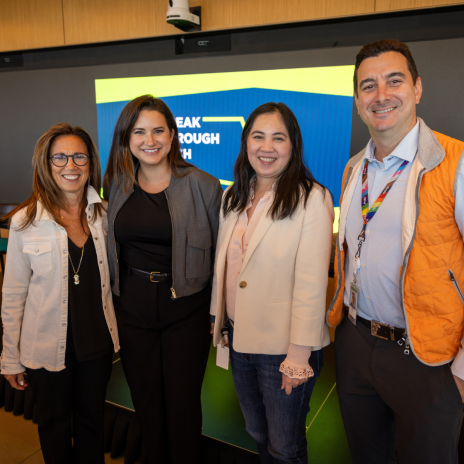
326, 398
239, 119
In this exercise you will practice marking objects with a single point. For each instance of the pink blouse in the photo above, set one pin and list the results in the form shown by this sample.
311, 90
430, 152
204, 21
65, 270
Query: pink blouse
296, 364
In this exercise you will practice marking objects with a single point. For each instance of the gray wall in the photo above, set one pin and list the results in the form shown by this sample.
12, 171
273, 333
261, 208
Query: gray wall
31, 101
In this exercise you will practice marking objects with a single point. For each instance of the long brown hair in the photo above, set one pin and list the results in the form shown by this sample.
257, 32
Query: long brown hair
121, 162
294, 184
44, 187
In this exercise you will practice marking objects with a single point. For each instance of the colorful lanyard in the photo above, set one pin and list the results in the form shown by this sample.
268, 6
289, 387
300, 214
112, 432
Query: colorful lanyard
367, 213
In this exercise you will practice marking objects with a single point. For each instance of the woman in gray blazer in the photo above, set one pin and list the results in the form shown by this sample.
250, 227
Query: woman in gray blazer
163, 218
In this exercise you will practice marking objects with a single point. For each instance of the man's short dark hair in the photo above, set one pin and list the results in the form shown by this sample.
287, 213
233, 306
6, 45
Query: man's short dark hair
384, 46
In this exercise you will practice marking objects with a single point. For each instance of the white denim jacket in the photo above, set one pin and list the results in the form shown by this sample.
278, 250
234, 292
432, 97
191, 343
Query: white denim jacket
35, 290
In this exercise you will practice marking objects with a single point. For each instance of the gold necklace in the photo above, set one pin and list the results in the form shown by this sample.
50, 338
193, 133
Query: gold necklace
76, 275
69, 219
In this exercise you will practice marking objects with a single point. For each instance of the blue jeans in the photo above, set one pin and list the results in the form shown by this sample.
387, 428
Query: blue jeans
275, 420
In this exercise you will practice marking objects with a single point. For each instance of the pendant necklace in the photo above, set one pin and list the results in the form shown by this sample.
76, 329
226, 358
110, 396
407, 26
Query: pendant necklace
76, 275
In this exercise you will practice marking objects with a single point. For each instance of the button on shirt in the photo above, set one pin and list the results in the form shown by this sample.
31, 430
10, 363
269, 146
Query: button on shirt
237, 248
382, 251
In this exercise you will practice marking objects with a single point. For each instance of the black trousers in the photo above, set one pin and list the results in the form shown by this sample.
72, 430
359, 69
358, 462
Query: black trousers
70, 410
391, 402
164, 361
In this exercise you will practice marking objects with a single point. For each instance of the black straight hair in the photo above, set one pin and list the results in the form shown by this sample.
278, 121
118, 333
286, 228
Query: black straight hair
294, 183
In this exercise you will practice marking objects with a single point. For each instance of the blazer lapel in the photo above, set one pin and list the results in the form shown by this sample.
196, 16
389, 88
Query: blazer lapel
264, 223
227, 229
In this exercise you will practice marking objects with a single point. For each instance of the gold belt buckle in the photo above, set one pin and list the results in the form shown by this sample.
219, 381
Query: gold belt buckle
151, 276
375, 326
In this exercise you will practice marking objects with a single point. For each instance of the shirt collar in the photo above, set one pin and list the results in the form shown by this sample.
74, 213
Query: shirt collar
43, 215
93, 196
266, 194
405, 150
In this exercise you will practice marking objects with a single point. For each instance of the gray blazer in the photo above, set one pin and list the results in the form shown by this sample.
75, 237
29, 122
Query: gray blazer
194, 201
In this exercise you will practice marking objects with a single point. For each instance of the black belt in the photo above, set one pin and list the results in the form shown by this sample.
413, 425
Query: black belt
151, 276
387, 332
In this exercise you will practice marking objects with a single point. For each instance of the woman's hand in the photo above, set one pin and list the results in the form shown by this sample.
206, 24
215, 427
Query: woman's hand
288, 384
212, 328
17, 381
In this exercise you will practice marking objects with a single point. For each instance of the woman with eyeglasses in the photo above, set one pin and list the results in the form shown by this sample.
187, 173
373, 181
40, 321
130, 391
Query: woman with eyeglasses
57, 311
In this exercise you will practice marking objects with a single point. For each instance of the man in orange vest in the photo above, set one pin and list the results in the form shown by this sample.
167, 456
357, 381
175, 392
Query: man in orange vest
399, 272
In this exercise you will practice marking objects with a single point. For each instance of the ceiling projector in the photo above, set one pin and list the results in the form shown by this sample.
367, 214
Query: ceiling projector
179, 15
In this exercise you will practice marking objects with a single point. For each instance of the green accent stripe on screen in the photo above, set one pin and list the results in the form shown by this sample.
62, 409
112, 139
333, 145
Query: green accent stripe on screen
330, 80
225, 182
239, 119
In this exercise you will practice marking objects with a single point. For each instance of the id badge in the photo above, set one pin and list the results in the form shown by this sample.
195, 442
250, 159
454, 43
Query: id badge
222, 356
353, 303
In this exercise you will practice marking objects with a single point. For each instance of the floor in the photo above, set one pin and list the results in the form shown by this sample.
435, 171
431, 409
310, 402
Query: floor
19, 441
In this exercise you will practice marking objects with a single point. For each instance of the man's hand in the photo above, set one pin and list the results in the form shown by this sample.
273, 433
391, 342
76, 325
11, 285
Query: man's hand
460, 385
289, 384
17, 381
212, 328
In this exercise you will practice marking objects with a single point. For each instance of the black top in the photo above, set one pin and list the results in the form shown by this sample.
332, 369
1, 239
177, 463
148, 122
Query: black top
88, 335
143, 228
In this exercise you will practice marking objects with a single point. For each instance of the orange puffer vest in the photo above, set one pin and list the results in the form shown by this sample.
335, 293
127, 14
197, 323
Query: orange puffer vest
432, 245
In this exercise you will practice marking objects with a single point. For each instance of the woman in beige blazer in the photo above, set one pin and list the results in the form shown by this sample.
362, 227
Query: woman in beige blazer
270, 281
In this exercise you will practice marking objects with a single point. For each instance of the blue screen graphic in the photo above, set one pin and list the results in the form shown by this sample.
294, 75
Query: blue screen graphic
325, 122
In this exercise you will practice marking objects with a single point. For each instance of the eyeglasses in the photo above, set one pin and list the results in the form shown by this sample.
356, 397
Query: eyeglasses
61, 160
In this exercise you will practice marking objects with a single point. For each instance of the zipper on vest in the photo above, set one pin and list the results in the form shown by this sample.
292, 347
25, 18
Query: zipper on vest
404, 341
405, 338
456, 285
174, 296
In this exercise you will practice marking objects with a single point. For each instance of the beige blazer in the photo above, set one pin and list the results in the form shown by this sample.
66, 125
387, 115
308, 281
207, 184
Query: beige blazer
281, 290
